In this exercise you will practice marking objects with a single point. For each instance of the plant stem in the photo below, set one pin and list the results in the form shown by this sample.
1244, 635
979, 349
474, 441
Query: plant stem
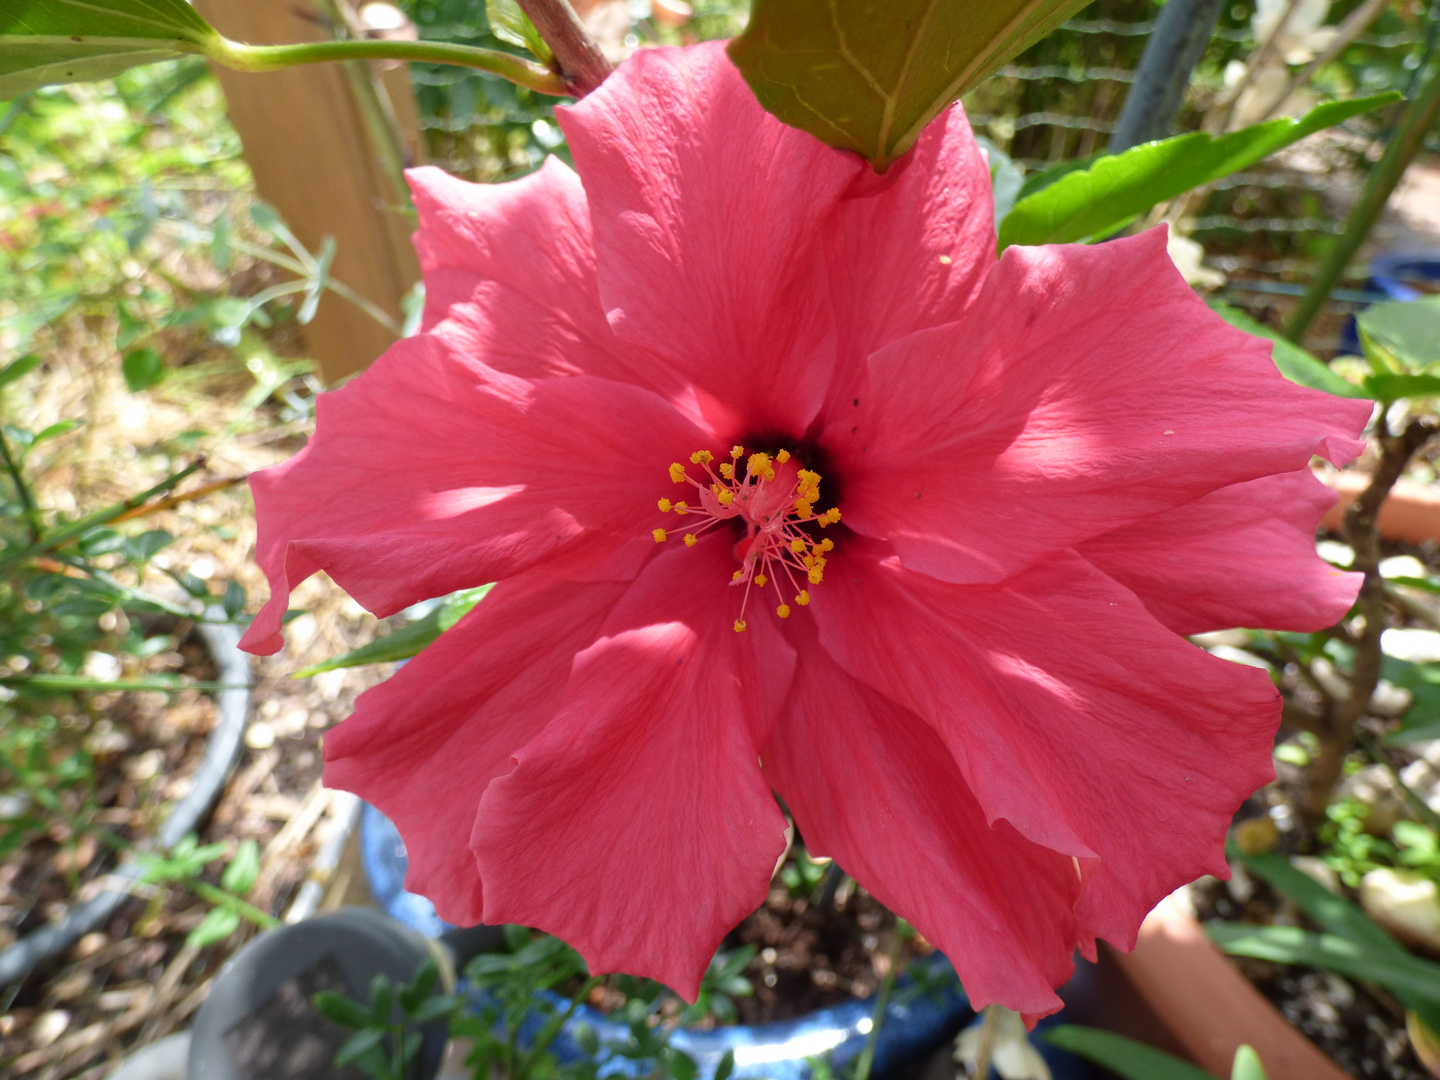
60, 537
1417, 804
373, 100
22, 490
866, 1059
521, 72
220, 897
552, 1029
1360, 529
583, 66
1420, 116
987, 1041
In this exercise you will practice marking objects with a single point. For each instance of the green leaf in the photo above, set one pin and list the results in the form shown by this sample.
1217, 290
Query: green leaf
360, 1044
1407, 975
143, 368
511, 25
1394, 387
16, 368
1295, 363
43, 42
342, 1010
868, 75
409, 640
234, 600
1408, 329
726, 1066
1096, 201
1124, 1057
1247, 1064
54, 430
1335, 914
218, 925
240, 875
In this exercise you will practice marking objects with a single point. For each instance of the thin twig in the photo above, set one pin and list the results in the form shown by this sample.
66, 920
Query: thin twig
61, 537
1361, 530
22, 490
987, 1041
1355, 24
582, 64
1412, 797
867, 1056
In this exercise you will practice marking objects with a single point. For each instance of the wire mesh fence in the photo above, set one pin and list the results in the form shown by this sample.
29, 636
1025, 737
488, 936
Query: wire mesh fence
1056, 102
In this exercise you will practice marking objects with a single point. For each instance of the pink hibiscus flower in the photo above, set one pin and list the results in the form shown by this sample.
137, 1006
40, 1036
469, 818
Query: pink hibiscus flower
970, 689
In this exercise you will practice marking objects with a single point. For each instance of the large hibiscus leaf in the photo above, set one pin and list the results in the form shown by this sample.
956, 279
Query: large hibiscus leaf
868, 75
62, 41
1089, 203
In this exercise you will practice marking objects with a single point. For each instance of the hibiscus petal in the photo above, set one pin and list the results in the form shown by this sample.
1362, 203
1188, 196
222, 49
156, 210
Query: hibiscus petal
423, 745
1087, 387
510, 276
872, 786
706, 212
430, 472
1242, 556
1072, 714
907, 250
638, 826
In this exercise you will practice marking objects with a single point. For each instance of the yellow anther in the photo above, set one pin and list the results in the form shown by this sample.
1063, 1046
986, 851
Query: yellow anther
677, 473
736, 575
783, 611
681, 508
737, 451
702, 457
739, 626
830, 517
808, 560
816, 575
761, 580
665, 505
783, 456
659, 535
803, 508
727, 470
803, 598
797, 545
827, 544
725, 498
759, 465
689, 539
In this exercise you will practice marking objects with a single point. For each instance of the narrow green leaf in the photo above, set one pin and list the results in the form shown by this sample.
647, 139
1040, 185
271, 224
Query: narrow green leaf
409, 640
1295, 363
1394, 387
1094, 202
16, 368
868, 75
43, 42
234, 599
218, 925
360, 1044
142, 368
240, 875
342, 1010
397, 645
1124, 1057
1292, 945
55, 430
1247, 1064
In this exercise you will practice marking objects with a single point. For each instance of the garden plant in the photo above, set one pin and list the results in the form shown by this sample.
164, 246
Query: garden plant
783, 499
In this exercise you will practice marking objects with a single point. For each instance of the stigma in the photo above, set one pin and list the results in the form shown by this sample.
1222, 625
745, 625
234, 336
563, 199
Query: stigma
775, 501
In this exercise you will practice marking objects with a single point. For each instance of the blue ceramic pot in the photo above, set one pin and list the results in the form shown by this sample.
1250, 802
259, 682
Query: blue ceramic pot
920, 1016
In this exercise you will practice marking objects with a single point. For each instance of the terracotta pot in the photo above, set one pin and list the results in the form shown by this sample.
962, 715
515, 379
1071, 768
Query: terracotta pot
1410, 513
1208, 1006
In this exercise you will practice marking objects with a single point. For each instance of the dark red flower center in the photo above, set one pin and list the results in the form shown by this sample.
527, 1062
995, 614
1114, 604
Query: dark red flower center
772, 501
